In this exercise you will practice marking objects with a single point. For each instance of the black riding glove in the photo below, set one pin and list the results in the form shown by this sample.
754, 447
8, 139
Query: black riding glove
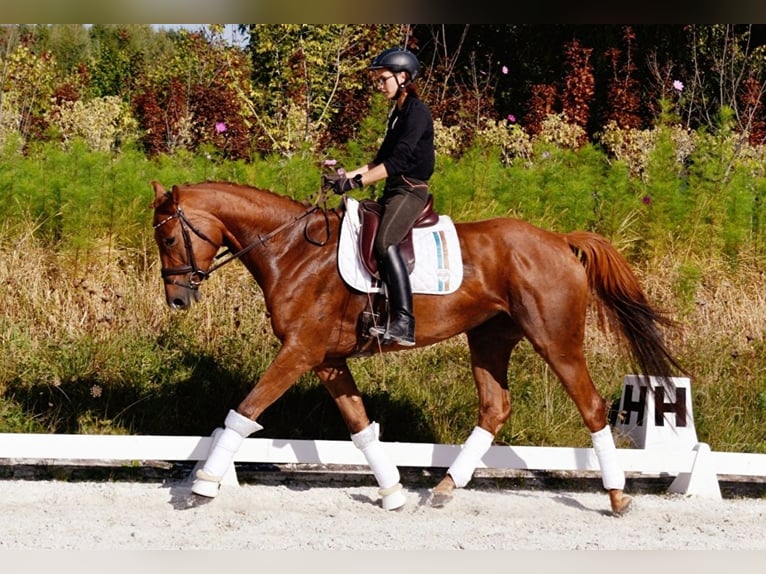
340, 184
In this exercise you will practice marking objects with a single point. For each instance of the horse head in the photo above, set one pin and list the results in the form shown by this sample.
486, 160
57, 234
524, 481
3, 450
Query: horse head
187, 243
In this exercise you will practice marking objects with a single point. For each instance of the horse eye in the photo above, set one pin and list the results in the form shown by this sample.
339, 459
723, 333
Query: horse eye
169, 241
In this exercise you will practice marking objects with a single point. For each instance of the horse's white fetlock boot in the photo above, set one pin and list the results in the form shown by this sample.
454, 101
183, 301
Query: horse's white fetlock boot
226, 444
469, 456
386, 473
612, 475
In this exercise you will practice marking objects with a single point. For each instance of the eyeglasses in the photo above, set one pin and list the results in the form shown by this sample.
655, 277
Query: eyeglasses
383, 79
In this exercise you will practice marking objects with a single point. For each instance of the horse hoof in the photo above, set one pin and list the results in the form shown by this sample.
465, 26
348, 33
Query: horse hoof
621, 503
195, 500
439, 499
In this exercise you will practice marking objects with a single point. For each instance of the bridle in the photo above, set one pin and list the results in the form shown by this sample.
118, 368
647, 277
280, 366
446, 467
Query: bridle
197, 275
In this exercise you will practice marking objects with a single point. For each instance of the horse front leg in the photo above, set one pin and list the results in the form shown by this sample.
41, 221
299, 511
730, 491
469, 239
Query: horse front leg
365, 434
490, 354
289, 364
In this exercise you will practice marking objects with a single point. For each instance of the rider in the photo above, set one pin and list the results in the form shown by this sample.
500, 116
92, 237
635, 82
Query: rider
406, 161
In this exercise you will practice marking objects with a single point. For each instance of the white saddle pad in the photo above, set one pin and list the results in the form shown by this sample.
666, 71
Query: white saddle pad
438, 262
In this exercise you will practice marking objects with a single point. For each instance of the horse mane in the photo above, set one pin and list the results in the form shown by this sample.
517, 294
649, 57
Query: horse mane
245, 190
237, 186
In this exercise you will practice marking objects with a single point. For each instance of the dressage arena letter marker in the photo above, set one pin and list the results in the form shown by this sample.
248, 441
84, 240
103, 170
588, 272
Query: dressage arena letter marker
657, 416
662, 420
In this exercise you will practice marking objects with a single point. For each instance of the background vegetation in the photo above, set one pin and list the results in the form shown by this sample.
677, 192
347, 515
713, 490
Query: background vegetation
563, 126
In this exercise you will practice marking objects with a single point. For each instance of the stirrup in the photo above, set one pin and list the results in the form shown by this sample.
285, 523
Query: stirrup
377, 330
404, 334
404, 341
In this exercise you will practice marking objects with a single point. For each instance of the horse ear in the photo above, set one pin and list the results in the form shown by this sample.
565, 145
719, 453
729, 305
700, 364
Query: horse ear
159, 193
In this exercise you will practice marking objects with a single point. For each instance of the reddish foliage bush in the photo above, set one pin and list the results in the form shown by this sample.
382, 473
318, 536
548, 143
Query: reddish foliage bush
162, 117
623, 101
212, 106
541, 104
579, 84
751, 101
344, 126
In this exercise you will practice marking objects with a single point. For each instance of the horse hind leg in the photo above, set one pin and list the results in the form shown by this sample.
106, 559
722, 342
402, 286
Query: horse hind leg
365, 435
490, 346
564, 353
579, 385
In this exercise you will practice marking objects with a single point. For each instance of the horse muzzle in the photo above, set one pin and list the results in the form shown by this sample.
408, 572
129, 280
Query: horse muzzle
181, 294
180, 297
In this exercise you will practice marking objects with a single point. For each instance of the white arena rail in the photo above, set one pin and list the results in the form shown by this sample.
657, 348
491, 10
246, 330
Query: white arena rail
667, 446
695, 470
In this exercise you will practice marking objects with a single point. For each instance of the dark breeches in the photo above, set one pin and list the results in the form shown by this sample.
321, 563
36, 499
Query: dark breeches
401, 209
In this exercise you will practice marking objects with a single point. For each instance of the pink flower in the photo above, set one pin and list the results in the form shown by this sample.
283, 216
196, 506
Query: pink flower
512, 118
678, 85
505, 69
646, 200
330, 162
220, 127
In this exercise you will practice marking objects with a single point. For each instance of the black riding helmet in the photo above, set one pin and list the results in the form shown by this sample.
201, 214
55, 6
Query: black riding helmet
397, 60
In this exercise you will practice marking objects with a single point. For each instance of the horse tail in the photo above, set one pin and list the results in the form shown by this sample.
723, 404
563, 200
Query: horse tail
623, 306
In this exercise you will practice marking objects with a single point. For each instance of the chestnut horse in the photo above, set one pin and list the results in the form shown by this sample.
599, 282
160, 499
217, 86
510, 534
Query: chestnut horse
519, 281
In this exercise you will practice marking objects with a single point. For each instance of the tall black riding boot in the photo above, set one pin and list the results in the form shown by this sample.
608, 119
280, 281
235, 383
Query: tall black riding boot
401, 321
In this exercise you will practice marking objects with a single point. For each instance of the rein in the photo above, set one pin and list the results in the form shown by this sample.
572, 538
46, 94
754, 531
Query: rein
197, 275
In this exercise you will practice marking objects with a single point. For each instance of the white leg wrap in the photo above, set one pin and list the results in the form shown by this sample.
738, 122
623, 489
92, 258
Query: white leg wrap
222, 454
612, 475
386, 473
241, 424
474, 448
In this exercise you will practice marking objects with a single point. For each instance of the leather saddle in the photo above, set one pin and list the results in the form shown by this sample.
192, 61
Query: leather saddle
369, 217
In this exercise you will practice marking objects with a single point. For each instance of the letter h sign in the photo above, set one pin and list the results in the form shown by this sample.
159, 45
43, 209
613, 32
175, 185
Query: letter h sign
653, 415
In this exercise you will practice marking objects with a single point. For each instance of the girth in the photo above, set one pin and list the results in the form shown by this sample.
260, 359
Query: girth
370, 212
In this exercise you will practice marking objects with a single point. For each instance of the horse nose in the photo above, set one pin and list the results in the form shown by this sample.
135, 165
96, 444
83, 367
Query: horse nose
178, 303
182, 299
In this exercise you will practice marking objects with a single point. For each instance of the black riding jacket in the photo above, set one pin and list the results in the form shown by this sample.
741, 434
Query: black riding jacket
408, 147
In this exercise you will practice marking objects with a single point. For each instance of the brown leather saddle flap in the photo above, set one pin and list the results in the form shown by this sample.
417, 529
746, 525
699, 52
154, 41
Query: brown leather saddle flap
369, 217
